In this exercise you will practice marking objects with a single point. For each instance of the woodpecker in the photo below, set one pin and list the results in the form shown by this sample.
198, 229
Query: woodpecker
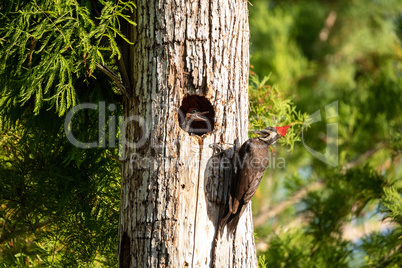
192, 115
249, 163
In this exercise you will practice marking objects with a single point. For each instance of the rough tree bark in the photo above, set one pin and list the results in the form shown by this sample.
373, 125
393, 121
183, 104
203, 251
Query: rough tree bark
187, 54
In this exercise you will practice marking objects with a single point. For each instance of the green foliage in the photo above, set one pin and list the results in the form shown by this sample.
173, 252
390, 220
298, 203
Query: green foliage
381, 249
59, 203
269, 108
48, 45
294, 248
272, 48
392, 202
262, 263
59, 207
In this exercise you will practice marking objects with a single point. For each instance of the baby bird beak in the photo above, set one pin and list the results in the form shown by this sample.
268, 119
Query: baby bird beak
198, 116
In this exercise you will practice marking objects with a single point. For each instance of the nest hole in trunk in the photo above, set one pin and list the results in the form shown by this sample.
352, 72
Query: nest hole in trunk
196, 115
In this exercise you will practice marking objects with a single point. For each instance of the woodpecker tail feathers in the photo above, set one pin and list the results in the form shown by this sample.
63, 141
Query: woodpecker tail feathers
230, 218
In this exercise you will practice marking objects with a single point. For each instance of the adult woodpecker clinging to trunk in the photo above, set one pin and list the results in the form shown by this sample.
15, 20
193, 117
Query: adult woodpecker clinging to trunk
249, 163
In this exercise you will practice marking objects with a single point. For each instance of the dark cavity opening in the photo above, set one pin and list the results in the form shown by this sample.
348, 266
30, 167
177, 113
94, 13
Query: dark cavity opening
196, 115
125, 257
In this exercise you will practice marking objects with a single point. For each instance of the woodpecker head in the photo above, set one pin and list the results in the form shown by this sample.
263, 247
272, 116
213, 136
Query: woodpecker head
268, 135
271, 135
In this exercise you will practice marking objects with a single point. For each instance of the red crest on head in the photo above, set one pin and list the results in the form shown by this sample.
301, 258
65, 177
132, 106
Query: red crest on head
282, 130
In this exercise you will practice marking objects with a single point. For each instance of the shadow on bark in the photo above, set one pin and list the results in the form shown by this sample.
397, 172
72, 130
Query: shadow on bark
218, 177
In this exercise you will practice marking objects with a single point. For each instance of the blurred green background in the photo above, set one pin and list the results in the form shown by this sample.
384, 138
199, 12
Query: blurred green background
305, 55
311, 214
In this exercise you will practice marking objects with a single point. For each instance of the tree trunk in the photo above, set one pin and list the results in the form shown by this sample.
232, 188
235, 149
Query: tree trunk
187, 54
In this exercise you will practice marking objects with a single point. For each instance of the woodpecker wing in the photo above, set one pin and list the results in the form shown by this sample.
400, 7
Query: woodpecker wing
249, 171
246, 180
